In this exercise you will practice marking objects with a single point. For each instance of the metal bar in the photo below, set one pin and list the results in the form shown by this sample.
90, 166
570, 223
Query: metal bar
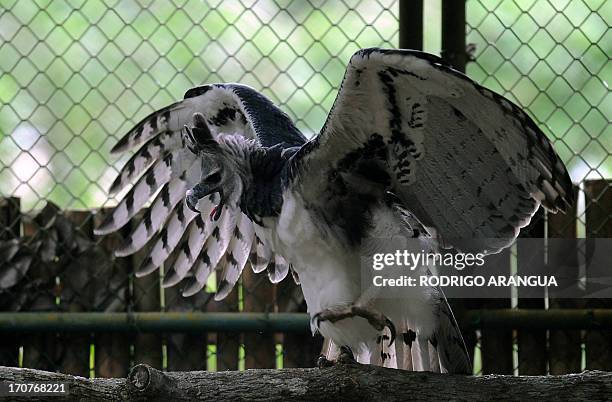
153, 322
277, 322
453, 33
541, 319
411, 24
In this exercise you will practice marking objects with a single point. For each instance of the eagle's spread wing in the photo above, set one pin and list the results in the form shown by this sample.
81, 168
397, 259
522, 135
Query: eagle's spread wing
465, 160
163, 169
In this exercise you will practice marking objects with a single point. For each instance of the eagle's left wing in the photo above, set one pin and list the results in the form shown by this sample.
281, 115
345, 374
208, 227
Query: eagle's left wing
466, 161
163, 168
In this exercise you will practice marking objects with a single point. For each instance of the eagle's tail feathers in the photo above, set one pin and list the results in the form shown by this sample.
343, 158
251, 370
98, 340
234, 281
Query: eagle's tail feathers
403, 351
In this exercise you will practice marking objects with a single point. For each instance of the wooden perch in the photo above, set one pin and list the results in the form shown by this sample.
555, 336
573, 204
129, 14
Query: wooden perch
341, 382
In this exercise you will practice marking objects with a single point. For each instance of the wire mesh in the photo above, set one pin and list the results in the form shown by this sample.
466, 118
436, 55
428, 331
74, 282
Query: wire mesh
75, 76
553, 59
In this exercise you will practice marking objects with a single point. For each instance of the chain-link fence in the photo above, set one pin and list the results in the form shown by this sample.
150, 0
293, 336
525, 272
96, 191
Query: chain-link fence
553, 58
76, 75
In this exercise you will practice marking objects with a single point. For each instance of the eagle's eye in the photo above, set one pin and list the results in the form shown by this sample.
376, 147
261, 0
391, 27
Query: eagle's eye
213, 178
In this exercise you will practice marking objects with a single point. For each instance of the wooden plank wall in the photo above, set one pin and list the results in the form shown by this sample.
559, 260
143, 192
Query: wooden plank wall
95, 281
598, 206
258, 295
565, 348
186, 351
10, 228
299, 350
531, 343
496, 344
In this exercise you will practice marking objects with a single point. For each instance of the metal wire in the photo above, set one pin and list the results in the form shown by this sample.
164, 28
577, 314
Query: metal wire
75, 76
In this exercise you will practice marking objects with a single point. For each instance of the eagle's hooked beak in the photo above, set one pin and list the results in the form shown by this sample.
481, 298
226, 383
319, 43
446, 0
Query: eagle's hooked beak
200, 191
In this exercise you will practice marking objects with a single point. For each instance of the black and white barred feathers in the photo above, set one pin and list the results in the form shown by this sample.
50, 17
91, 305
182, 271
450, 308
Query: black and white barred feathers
161, 171
468, 163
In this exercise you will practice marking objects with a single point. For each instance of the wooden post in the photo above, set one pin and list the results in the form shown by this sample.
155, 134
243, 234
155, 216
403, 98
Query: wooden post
112, 351
146, 297
43, 351
228, 343
258, 297
454, 52
75, 283
598, 195
10, 228
299, 350
411, 24
532, 354
453, 33
564, 345
496, 344
346, 382
186, 351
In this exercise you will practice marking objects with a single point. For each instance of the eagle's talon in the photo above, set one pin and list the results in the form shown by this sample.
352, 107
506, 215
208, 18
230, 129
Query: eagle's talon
346, 356
323, 362
192, 201
375, 319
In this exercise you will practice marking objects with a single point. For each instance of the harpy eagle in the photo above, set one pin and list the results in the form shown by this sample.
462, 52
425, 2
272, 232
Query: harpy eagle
410, 148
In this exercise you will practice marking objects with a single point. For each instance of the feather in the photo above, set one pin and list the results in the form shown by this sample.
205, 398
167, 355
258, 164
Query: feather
213, 249
433, 129
151, 126
167, 239
154, 217
236, 256
261, 255
277, 269
156, 176
146, 155
188, 250
164, 164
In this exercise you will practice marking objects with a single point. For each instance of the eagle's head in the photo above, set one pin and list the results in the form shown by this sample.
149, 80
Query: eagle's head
222, 170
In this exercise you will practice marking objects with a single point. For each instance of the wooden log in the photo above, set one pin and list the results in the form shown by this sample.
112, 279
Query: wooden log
532, 353
598, 194
341, 382
564, 344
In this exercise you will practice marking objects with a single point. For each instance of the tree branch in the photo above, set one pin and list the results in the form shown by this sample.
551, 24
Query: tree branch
341, 382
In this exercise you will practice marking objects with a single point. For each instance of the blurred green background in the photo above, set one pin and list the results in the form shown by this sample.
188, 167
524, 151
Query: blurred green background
76, 75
